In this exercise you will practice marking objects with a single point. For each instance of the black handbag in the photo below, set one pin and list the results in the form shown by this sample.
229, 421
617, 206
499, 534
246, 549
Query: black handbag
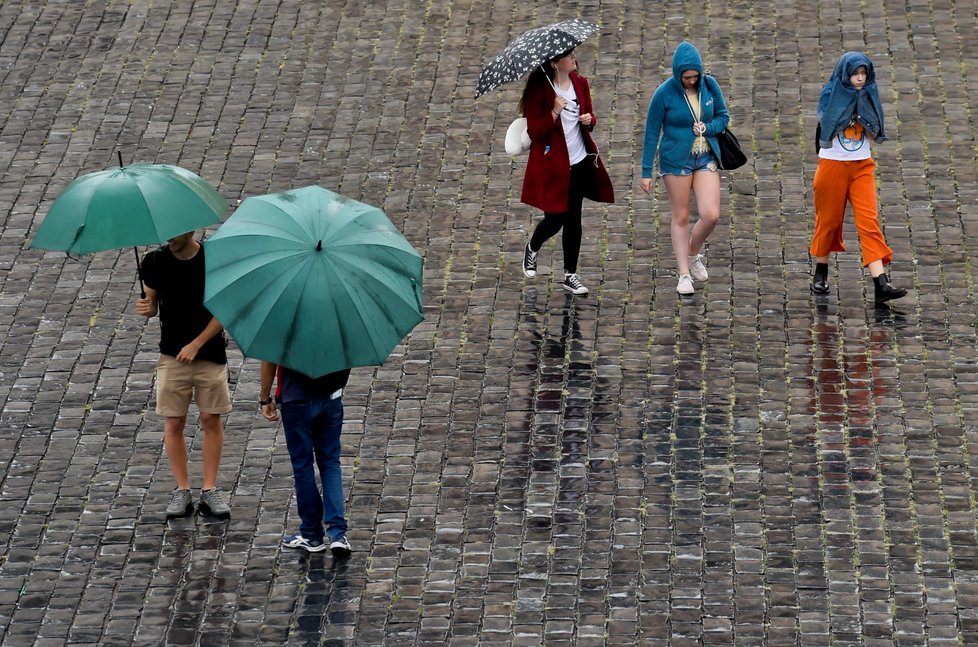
731, 154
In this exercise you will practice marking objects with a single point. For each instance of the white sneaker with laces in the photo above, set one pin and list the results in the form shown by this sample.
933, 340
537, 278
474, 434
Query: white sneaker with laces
340, 547
529, 261
697, 268
685, 285
572, 283
308, 545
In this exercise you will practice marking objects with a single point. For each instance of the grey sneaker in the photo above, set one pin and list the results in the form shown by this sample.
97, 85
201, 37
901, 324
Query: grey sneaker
212, 501
697, 268
181, 504
685, 285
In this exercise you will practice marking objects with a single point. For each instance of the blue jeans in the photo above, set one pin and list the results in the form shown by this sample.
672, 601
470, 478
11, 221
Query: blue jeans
312, 433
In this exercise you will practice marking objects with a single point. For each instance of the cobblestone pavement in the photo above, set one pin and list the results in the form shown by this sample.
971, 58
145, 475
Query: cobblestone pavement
750, 467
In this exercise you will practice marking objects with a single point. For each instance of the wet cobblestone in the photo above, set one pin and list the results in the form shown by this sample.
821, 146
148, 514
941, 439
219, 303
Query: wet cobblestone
751, 467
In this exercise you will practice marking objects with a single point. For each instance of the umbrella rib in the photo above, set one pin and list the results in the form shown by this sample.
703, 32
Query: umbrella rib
156, 229
358, 301
385, 287
288, 348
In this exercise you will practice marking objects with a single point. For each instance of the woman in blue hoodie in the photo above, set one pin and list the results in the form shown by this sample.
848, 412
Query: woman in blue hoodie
685, 115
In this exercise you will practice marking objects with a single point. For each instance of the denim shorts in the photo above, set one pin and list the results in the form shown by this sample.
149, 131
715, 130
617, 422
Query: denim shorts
697, 162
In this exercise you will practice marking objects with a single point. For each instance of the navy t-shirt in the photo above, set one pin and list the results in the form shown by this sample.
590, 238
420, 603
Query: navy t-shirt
294, 386
179, 287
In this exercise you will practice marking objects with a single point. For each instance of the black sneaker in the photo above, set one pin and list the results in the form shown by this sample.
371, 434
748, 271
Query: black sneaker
529, 262
340, 547
572, 283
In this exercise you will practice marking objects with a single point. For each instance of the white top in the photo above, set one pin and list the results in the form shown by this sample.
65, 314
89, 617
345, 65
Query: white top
572, 127
848, 146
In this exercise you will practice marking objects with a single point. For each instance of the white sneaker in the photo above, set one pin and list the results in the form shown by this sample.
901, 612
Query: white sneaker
340, 547
572, 283
697, 268
529, 261
685, 286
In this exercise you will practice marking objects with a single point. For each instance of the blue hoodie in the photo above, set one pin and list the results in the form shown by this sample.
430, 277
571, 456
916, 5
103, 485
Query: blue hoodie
839, 101
669, 116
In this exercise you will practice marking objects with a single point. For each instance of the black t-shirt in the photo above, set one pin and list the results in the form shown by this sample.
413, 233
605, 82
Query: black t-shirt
179, 287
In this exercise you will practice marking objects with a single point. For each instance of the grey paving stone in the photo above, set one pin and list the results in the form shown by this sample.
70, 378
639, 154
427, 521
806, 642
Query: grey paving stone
748, 467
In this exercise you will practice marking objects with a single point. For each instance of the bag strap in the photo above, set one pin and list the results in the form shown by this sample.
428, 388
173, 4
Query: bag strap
689, 105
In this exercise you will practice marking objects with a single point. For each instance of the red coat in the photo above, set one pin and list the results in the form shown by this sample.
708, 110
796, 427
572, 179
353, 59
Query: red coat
546, 183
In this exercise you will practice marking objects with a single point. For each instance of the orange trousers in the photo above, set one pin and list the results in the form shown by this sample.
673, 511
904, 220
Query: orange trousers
835, 184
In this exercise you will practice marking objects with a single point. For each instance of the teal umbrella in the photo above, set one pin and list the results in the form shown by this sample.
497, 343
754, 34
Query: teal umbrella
313, 281
140, 204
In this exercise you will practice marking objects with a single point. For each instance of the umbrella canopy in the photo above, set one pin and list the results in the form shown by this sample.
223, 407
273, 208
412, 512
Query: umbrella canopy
140, 204
313, 281
530, 49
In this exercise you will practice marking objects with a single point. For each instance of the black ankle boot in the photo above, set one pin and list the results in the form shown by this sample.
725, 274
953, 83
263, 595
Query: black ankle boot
885, 291
820, 282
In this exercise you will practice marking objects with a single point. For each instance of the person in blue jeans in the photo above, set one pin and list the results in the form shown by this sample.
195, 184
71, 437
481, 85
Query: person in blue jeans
312, 416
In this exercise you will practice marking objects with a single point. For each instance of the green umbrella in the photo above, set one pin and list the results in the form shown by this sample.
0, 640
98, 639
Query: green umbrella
140, 204
313, 281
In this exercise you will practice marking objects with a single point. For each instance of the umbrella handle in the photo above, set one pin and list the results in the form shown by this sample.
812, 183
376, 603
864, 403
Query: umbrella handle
142, 290
545, 75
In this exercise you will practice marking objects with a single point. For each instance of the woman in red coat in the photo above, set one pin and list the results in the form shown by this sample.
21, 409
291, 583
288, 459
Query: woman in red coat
564, 167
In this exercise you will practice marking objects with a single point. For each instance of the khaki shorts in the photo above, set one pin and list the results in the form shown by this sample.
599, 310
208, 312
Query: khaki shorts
176, 382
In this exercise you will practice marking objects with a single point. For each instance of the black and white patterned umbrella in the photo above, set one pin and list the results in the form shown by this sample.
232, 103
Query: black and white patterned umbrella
531, 48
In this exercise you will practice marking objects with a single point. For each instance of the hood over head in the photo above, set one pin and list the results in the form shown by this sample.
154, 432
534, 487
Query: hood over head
686, 57
840, 101
849, 63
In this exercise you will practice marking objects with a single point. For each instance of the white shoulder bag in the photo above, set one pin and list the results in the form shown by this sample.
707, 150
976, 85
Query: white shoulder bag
517, 138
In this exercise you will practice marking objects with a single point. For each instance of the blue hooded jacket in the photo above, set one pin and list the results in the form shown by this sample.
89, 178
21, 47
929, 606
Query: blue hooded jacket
669, 123
840, 100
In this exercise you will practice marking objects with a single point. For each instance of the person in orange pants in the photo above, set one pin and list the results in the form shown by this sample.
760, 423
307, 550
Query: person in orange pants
850, 117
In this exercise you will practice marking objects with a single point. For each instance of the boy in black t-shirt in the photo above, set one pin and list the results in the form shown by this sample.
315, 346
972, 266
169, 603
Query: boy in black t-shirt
192, 364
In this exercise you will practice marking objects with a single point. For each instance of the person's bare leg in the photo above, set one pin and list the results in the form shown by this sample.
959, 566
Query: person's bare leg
678, 189
213, 447
706, 188
176, 449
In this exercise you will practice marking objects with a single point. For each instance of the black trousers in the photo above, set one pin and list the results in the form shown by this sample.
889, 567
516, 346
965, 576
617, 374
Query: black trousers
581, 179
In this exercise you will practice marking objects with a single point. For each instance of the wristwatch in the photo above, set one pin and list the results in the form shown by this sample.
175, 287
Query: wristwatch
270, 400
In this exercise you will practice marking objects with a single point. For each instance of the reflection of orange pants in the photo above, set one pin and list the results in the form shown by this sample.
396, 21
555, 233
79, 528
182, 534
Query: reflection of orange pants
835, 183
